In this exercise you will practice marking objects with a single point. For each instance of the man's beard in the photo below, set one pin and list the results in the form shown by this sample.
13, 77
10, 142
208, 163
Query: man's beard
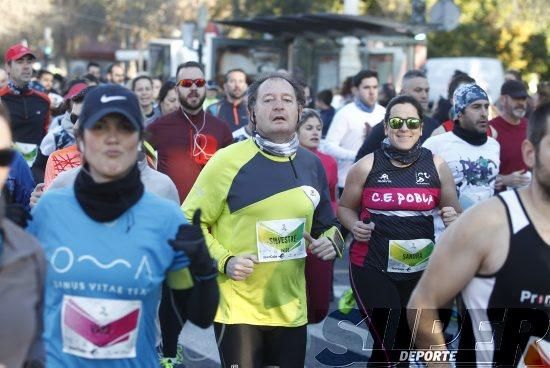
519, 113
187, 106
236, 96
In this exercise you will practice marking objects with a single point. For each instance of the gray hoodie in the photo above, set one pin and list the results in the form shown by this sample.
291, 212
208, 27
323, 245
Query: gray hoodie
22, 272
153, 181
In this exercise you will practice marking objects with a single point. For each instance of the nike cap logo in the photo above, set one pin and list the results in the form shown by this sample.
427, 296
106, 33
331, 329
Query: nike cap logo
107, 99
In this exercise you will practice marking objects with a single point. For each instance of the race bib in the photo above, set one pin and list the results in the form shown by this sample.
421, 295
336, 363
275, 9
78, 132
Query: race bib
96, 328
280, 240
407, 256
536, 353
28, 150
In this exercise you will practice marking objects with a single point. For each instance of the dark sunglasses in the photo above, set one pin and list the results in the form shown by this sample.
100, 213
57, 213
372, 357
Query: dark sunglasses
189, 82
6, 156
397, 123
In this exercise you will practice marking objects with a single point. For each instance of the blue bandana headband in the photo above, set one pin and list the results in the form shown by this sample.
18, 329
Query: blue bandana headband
466, 94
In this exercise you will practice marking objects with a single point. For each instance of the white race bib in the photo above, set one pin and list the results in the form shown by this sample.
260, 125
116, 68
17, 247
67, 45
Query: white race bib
280, 240
28, 150
96, 328
407, 256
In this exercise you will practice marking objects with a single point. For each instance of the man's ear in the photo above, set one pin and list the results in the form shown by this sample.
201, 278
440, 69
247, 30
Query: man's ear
252, 117
528, 151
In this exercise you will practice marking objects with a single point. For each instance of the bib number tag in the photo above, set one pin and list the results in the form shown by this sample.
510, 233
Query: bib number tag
96, 328
280, 240
408, 256
28, 150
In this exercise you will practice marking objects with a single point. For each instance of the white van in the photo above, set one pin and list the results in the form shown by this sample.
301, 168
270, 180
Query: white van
487, 72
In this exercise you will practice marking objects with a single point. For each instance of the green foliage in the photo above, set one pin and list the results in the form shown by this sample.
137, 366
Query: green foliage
465, 40
251, 8
536, 54
515, 31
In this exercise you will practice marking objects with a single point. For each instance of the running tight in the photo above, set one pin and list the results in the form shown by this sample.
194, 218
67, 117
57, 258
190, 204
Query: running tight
171, 320
248, 346
383, 301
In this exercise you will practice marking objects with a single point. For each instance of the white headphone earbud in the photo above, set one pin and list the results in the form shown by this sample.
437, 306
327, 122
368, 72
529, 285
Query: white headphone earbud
81, 146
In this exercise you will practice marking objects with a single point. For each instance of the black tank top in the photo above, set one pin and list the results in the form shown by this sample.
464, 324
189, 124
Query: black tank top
511, 307
400, 202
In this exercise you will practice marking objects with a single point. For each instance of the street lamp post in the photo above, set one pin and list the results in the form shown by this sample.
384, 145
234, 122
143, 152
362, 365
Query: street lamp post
192, 31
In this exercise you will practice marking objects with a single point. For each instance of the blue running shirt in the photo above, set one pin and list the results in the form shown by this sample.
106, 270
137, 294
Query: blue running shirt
103, 281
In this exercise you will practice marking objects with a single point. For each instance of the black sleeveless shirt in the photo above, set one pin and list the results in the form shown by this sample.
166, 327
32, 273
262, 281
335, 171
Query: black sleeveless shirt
510, 308
399, 201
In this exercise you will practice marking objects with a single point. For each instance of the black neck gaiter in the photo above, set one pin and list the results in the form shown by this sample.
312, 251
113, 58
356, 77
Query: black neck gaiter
105, 202
404, 157
474, 138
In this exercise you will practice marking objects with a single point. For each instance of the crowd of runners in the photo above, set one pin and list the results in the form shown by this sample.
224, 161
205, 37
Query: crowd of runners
129, 207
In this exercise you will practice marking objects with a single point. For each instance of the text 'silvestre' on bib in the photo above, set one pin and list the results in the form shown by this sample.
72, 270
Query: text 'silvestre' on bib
280, 240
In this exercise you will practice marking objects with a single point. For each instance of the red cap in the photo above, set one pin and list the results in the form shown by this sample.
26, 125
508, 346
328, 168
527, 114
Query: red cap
17, 52
75, 90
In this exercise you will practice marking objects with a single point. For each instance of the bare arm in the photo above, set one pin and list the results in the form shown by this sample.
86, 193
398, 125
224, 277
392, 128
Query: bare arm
350, 202
463, 251
448, 205
515, 179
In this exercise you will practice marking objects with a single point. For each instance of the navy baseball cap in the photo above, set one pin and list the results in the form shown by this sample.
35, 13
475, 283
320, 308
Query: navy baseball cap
110, 99
514, 89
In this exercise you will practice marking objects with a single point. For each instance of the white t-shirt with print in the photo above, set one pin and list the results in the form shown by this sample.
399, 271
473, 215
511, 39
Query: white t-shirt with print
474, 168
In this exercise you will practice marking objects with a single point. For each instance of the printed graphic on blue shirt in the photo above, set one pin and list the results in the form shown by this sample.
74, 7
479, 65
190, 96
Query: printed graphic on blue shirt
103, 279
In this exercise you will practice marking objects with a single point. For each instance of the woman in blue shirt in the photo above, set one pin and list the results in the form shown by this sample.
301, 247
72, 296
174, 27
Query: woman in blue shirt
109, 246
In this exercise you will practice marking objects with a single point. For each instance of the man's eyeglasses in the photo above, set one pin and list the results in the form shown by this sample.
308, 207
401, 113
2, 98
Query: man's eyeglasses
397, 123
189, 82
6, 156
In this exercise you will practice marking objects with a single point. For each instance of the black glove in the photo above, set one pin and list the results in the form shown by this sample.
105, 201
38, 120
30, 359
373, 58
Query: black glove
190, 240
18, 214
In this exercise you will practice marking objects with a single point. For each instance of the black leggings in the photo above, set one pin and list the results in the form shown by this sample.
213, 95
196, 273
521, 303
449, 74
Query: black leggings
248, 346
383, 302
171, 321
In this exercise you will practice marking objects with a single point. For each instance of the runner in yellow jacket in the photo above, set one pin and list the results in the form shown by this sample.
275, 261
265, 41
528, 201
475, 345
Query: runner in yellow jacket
264, 202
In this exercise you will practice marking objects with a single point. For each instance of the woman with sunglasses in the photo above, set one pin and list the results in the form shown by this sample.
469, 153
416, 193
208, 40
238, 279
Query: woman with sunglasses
22, 269
387, 204
110, 245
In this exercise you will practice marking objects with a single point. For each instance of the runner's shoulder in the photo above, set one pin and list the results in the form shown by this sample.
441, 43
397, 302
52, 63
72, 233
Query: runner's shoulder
158, 205
486, 219
364, 165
